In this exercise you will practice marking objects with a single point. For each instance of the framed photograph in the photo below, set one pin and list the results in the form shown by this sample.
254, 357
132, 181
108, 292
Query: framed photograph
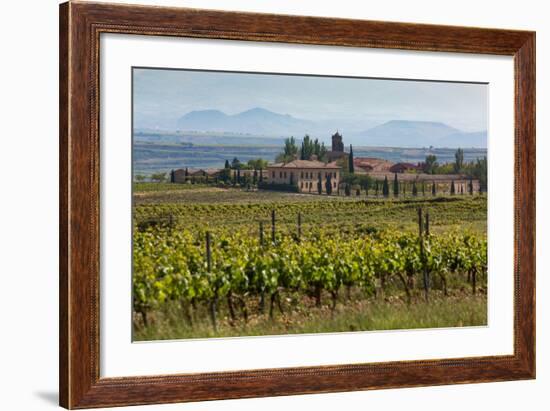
259, 205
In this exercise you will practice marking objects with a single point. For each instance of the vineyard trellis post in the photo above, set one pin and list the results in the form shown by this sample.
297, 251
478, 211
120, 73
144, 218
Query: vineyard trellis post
299, 226
214, 301
422, 254
208, 252
273, 226
427, 223
261, 233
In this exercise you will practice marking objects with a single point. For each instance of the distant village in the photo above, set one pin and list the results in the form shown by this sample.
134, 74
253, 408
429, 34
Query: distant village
316, 170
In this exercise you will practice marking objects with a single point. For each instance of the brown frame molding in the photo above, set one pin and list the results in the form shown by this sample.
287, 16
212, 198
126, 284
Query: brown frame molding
80, 27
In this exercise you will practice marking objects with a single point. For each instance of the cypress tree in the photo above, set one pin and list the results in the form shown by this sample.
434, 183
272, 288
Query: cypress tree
453, 191
376, 188
423, 188
172, 177
261, 175
227, 164
395, 186
328, 185
255, 177
433, 188
350, 160
320, 185
385, 187
471, 186
347, 190
414, 189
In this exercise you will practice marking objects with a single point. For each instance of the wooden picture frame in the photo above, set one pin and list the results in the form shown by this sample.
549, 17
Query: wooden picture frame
80, 27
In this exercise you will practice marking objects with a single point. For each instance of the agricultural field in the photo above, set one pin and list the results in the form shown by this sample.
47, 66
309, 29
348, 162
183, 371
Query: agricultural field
220, 262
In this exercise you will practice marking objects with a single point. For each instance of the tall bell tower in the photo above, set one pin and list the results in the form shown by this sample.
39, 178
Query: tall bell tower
337, 143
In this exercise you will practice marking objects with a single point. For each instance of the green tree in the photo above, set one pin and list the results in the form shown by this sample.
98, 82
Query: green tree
320, 184
158, 177
322, 154
471, 186
430, 164
312, 147
235, 164
414, 189
385, 187
307, 148
433, 188
347, 190
459, 160
395, 186
351, 167
453, 191
479, 172
139, 178
227, 164
225, 174
290, 151
256, 163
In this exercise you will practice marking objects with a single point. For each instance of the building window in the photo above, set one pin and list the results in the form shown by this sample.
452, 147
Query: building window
302, 174
285, 174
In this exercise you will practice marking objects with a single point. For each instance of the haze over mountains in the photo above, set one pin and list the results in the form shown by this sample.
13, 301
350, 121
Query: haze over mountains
259, 122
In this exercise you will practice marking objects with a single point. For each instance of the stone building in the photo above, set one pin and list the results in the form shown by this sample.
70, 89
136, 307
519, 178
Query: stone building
405, 167
337, 151
305, 175
183, 175
371, 164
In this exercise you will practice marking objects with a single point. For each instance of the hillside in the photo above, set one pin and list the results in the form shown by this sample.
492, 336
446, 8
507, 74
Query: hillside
404, 133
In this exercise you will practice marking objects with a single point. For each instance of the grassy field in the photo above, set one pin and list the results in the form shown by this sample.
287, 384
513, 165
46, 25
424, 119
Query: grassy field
171, 219
303, 317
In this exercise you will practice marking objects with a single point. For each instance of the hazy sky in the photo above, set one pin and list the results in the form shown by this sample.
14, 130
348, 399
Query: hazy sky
162, 96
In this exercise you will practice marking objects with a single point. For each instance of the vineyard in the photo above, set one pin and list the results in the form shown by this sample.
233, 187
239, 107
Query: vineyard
216, 268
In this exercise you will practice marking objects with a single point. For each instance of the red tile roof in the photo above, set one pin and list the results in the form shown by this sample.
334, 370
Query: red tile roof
304, 164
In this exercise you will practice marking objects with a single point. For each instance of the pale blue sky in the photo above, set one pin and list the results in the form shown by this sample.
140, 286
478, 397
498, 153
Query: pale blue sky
162, 96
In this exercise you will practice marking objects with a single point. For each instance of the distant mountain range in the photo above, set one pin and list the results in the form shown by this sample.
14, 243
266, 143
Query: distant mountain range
261, 123
257, 121
399, 133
